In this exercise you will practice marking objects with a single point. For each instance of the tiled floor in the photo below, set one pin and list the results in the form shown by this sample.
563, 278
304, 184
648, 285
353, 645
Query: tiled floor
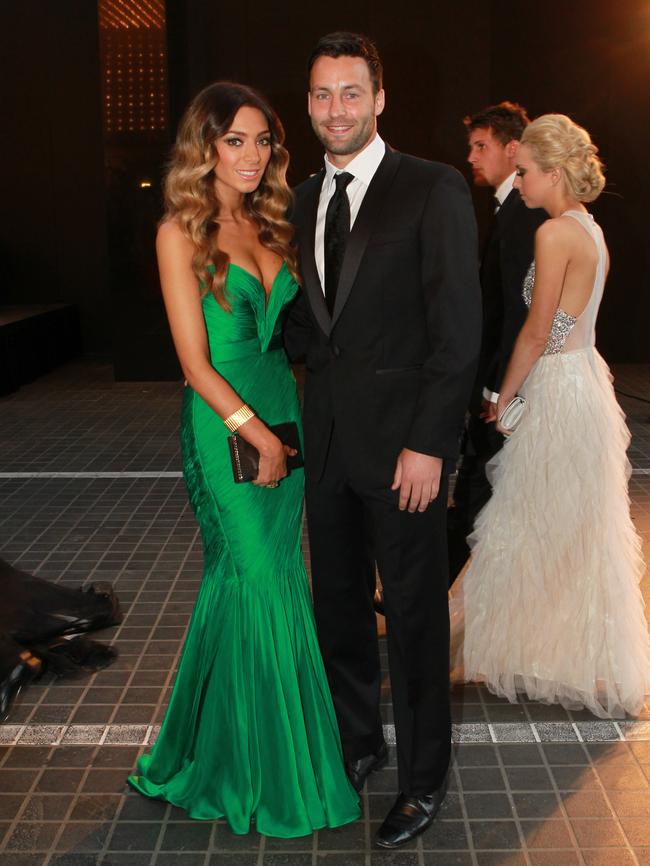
90, 490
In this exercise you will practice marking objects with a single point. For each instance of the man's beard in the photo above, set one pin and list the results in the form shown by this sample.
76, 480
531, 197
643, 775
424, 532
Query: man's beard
344, 148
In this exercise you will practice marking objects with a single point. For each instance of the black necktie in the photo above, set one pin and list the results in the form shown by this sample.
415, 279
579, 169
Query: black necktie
337, 229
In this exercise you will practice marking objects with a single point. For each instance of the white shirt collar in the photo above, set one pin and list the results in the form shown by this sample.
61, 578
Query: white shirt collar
505, 188
363, 166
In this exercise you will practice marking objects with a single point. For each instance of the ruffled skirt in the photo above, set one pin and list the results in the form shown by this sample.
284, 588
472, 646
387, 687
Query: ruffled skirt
550, 603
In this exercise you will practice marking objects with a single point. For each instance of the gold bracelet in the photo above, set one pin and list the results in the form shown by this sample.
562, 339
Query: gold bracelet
233, 422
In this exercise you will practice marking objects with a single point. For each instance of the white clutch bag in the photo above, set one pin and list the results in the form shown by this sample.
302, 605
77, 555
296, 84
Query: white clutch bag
511, 415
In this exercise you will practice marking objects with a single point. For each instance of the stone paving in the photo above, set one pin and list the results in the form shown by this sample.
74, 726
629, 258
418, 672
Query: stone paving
90, 490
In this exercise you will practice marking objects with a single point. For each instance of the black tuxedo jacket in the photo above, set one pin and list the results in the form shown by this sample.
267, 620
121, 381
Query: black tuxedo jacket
509, 250
394, 365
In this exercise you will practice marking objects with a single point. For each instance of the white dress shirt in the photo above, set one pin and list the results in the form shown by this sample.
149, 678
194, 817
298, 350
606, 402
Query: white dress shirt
363, 167
504, 189
502, 192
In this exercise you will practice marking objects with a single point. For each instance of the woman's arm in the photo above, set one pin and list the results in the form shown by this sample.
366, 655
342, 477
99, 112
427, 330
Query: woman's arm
552, 254
183, 305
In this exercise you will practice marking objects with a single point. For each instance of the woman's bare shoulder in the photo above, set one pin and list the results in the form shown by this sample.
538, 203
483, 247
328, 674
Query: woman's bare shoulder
170, 237
556, 232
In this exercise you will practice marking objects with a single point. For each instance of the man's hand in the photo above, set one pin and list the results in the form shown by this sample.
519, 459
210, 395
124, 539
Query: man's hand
488, 411
417, 477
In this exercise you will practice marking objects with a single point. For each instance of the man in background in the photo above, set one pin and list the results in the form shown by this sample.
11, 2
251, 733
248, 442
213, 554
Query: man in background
494, 135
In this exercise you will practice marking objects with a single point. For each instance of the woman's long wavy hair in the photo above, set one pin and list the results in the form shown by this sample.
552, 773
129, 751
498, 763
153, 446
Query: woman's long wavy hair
190, 197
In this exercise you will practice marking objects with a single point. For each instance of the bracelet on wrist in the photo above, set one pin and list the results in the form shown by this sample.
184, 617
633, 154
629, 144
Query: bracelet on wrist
241, 416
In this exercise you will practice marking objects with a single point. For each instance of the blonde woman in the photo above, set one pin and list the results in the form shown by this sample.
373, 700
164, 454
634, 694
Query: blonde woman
250, 732
551, 598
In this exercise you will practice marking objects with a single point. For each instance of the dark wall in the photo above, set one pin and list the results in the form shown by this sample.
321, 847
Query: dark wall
436, 64
592, 62
442, 60
52, 220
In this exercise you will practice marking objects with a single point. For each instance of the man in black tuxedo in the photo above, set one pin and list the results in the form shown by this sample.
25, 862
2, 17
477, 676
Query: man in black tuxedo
389, 321
494, 135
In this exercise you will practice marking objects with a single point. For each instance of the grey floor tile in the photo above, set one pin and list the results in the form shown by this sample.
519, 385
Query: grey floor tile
487, 806
556, 732
597, 833
575, 778
329, 858
14, 781
83, 836
186, 836
445, 836
481, 779
566, 857
515, 755
193, 858
287, 860
466, 755
47, 807
547, 833
225, 840
609, 857
231, 859
494, 834
74, 859
9, 805
437, 858
536, 805
16, 859
528, 778
140, 836
26, 756
565, 753
31, 837
586, 804
130, 858
96, 807
500, 858
393, 858
351, 837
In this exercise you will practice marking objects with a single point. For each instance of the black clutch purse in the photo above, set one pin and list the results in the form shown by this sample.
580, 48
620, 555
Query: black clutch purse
245, 457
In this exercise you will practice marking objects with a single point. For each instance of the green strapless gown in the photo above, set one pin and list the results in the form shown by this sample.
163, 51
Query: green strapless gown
250, 733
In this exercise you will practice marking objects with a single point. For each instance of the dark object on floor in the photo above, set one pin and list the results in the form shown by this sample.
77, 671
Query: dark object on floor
42, 626
378, 602
18, 667
358, 771
410, 816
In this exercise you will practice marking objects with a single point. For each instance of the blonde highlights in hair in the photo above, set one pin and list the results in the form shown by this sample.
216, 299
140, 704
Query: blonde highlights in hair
556, 142
190, 197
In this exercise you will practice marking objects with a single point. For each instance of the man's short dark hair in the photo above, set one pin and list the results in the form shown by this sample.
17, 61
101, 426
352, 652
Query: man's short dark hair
346, 44
507, 120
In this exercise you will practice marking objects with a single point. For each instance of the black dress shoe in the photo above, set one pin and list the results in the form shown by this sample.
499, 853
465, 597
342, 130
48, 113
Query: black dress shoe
410, 816
358, 771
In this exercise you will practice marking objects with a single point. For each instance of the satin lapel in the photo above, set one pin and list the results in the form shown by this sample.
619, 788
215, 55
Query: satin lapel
362, 228
308, 268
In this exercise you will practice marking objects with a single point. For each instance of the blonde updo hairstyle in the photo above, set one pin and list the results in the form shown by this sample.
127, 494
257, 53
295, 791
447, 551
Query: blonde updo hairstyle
556, 142
190, 197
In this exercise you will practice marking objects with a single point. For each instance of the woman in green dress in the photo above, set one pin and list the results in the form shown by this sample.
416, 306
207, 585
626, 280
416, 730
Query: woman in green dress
250, 733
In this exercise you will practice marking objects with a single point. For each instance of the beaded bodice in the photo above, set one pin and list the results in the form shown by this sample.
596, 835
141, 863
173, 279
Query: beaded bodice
562, 322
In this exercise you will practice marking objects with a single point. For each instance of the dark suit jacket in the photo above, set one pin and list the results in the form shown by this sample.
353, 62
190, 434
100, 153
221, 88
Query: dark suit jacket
508, 252
394, 365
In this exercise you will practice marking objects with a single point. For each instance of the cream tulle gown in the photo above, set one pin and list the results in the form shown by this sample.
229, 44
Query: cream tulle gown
550, 604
